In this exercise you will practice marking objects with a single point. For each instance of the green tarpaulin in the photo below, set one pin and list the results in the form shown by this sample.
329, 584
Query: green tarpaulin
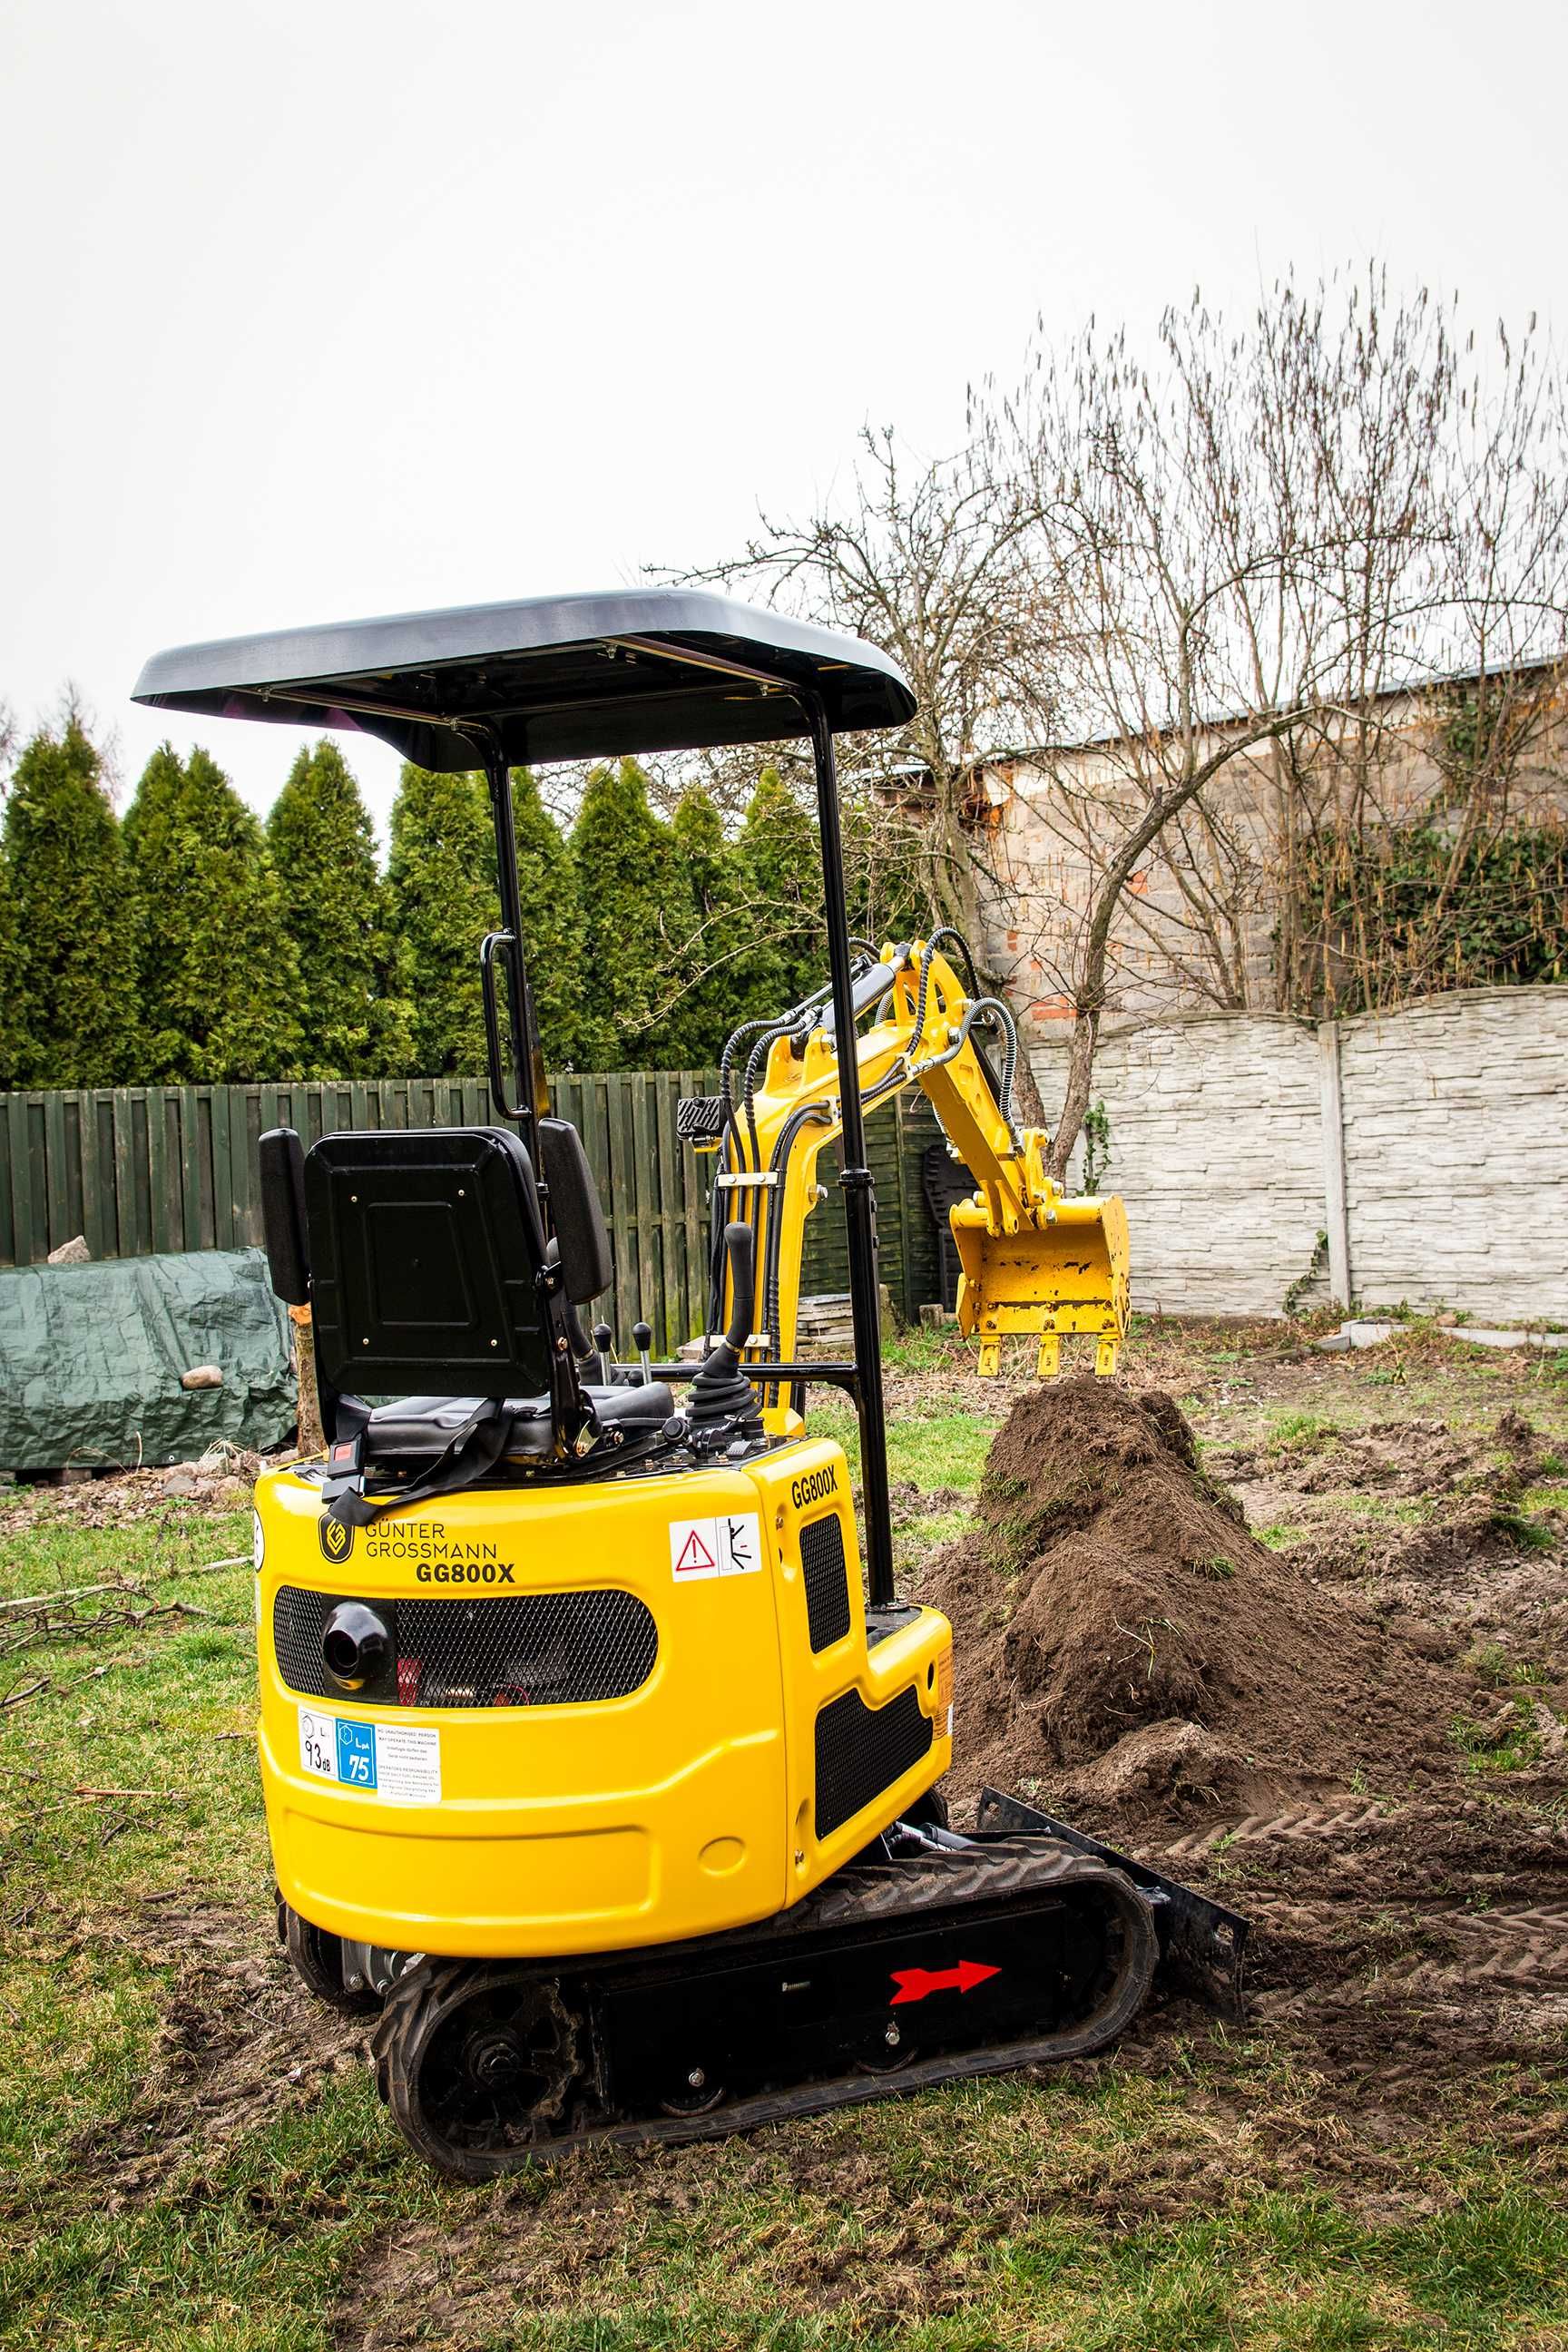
91, 1357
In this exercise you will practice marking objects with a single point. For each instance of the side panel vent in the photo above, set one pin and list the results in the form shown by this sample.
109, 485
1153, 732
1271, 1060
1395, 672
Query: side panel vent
861, 1751
826, 1581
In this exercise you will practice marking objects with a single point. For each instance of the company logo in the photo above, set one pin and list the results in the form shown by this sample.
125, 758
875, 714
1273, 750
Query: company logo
812, 1486
336, 1539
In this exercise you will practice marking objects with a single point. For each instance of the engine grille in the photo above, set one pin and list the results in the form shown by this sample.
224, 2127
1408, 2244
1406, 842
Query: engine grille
538, 1649
826, 1581
861, 1751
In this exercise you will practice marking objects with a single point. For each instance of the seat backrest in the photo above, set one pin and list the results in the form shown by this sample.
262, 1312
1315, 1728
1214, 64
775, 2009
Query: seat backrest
426, 1251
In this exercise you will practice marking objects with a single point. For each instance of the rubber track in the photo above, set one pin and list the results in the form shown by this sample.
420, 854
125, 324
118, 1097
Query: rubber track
875, 1893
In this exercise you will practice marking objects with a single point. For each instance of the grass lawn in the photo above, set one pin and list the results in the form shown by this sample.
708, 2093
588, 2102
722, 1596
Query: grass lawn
194, 2156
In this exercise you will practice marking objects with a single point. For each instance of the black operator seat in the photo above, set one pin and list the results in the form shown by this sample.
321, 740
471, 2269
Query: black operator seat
424, 1255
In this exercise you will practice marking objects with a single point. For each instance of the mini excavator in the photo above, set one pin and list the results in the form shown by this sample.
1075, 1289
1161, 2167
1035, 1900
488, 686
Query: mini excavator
594, 1764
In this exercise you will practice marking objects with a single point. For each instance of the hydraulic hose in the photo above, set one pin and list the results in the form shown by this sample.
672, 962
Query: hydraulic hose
932, 945
811, 1114
990, 1012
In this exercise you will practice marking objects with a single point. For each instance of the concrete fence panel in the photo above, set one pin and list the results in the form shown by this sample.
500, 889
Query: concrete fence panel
1455, 1142
1216, 1146
1429, 1146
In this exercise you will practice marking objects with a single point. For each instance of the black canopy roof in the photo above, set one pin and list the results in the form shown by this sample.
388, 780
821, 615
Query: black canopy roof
553, 678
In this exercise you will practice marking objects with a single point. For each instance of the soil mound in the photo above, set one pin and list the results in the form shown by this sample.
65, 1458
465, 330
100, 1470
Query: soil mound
1119, 1628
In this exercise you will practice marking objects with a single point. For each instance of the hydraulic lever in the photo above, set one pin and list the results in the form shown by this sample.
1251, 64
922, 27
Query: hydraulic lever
720, 1392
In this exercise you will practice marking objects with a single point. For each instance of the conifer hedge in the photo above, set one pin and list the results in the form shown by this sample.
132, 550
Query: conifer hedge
189, 943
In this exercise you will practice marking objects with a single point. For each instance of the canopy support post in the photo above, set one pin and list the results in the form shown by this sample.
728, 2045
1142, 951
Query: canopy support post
530, 1100
854, 1177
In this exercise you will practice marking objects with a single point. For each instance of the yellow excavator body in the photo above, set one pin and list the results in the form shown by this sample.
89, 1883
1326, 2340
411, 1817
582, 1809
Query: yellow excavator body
730, 1735
594, 1761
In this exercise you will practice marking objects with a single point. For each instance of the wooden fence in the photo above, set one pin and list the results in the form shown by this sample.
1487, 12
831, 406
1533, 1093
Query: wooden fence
137, 1170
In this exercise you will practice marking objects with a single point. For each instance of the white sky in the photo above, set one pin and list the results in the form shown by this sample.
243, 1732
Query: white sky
320, 311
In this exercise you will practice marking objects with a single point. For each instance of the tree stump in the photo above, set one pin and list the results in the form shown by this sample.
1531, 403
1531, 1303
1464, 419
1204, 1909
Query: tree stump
312, 1437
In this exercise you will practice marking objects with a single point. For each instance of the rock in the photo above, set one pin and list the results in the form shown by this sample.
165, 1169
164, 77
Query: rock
203, 1376
181, 1480
72, 1253
1174, 1760
1550, 1729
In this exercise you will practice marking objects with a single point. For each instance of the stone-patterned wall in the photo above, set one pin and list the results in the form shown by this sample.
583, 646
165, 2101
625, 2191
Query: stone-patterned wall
1216, 1146
1456, 1127
1455, 1143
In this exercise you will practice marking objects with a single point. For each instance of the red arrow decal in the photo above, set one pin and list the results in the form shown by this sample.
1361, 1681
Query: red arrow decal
915, 1983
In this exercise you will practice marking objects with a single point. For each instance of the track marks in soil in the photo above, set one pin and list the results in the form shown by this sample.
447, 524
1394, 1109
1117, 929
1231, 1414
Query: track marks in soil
239, 2041
1522, 1948
1336, 1819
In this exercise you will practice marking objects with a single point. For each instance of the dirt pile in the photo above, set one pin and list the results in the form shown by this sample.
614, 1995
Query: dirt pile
1120, 1632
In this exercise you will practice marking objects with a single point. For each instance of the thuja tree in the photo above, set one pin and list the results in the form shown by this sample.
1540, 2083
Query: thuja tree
552, 923
714, 982
73, 1018
10, 1025
781, 864
631, 924
441, 900
334, 910
220, 980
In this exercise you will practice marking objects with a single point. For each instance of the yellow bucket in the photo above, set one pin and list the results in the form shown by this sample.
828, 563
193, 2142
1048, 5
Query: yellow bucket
1068, 1274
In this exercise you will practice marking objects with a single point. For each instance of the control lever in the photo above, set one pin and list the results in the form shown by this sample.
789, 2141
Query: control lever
642, 1341
740, 1248
720, 1393
603, 1339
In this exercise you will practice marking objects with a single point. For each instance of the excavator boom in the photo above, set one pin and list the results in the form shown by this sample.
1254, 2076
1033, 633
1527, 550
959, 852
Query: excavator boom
1034, 1261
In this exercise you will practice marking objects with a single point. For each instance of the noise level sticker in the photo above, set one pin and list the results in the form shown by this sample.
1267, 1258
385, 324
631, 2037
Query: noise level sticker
727, 1545
400, 1762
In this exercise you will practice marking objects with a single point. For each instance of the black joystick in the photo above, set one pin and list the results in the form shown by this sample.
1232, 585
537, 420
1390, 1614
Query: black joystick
603, 1339
642, 1341
720, 1393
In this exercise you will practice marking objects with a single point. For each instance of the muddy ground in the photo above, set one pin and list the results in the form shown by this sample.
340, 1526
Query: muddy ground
1292, 1630
1357, 1739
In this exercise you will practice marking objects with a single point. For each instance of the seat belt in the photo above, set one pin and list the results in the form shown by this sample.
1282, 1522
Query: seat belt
471, 1454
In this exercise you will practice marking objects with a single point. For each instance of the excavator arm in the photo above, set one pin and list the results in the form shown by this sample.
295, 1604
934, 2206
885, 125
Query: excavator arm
1034, 1261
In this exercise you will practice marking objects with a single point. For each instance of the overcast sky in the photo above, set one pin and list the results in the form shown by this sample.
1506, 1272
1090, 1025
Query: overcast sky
321, 312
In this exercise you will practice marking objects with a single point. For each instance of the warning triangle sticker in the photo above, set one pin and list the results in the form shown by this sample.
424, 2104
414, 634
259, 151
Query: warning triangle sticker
694, 1555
